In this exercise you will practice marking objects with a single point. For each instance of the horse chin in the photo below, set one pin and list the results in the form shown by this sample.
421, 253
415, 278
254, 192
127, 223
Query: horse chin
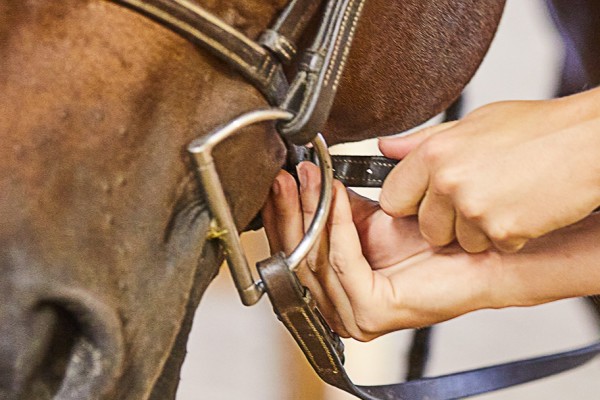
67, 345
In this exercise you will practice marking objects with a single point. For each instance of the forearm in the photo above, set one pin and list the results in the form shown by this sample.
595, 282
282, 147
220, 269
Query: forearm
575, 167
562, 264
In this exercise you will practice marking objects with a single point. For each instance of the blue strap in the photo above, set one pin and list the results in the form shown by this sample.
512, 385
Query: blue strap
482, 380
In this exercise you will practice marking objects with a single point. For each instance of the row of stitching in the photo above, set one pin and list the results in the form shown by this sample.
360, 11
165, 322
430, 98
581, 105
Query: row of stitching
336, 48
366, 162
347, 48
341, 38
321, 341
214, 44
349, 178
355, 178
299, 338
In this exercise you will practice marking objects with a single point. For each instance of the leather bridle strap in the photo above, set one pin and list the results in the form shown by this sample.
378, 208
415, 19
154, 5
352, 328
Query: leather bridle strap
283, 36
202, 28
297, 310
313, 90
310, 96
352, 171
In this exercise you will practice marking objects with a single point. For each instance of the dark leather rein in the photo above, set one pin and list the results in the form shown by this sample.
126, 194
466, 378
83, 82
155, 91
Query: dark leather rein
302, 108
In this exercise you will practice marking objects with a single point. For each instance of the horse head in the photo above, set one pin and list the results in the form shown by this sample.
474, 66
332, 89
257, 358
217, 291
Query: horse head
104, 255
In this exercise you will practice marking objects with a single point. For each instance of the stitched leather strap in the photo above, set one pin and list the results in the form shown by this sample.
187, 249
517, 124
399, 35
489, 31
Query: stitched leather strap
204, 29
311, 94
283, 36
353, 171
362, 171
312, 91
297, 310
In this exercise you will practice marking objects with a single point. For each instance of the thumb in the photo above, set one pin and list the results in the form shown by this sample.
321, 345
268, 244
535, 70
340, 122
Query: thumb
399, 146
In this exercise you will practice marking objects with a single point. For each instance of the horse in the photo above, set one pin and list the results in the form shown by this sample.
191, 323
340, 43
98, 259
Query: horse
104, 227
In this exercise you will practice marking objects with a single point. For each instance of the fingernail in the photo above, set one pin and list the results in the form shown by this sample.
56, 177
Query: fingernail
276, 188
302, 176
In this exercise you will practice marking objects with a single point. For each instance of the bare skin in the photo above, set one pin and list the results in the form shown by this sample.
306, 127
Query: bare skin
373, 274
507, 173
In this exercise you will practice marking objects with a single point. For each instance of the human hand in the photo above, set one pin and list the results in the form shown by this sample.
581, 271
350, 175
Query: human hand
370, 273
506, 173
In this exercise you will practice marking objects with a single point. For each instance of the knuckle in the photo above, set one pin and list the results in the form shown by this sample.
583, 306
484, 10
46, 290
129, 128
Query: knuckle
311, 264
369, 328
337, 260
434, 150
445, 182
308, 209
472, 209
389, 205
500, 233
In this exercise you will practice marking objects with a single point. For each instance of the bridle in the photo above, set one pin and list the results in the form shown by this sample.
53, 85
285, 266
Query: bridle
301, 110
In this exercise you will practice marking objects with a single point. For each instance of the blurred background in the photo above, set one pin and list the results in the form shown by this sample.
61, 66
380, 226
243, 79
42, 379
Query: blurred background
244, 353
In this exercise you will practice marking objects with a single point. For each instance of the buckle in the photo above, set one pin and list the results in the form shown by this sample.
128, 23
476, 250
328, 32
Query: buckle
223, 225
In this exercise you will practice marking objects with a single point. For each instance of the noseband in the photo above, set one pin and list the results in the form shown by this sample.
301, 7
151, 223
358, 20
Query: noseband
301, 110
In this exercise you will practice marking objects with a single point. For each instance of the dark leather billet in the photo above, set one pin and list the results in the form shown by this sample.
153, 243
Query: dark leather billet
362, 171
352, 171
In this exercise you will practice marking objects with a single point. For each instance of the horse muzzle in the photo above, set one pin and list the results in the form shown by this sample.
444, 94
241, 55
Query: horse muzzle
56, 342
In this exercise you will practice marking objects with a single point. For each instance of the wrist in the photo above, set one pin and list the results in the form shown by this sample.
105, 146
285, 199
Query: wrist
560, 265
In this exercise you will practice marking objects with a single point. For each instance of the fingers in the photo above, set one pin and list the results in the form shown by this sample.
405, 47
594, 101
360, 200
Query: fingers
511, 245
282, 216
404, 187
436, 219
283, 220
470, 236
399, 147
318, 258
345, 254
310, 186
352, 271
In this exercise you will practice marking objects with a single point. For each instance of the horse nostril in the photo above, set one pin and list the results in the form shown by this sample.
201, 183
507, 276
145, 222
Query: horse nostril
25, 337
49, 370
90, 344
68, 346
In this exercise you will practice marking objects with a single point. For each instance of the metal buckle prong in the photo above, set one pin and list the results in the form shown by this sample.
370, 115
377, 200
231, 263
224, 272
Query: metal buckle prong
249, 289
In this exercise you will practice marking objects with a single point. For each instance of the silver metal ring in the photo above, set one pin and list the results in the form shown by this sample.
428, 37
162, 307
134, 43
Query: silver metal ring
206, 143
320, 219
223, 225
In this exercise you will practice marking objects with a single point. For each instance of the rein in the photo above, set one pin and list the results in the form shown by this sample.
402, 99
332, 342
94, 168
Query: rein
302, 108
